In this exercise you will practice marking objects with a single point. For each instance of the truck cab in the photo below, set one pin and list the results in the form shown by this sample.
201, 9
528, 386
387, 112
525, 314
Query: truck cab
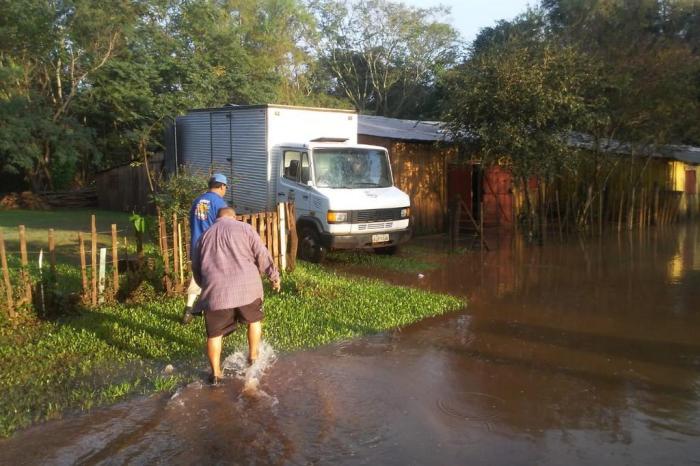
344, 196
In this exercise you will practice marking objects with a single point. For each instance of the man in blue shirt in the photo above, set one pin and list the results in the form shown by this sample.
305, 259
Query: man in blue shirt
203, 214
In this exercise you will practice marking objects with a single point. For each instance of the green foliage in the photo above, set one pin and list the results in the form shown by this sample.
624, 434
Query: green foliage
100, 356
517, 98
383, 56
408, 261
174, 195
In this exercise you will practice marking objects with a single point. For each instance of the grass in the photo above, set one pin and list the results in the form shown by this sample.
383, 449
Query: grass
103, 355
409, 259
66, 223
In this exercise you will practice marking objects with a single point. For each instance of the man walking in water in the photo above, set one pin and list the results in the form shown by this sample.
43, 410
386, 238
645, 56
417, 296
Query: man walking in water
227, 265
203, 214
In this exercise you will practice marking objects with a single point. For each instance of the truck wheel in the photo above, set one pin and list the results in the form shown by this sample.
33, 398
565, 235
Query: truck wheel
387, 251
310, 248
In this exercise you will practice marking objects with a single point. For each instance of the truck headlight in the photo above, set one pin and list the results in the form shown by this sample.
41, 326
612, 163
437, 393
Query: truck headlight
336, 217
405, 212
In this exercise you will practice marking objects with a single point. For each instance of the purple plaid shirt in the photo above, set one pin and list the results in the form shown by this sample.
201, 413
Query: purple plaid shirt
227, 264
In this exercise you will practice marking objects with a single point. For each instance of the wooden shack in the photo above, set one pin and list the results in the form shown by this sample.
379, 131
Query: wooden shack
126, 187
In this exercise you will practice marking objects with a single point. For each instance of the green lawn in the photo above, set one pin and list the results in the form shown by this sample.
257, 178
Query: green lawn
66, 224
100, 356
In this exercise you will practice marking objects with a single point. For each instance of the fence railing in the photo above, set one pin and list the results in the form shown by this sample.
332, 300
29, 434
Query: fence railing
277, 229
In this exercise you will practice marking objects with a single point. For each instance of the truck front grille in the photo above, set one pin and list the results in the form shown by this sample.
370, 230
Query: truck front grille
376, 215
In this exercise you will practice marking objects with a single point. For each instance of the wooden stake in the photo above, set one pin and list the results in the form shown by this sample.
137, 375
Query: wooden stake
166, 256
179, 252
52, 254
6, 278
83, 264
176, 259
656, 205
160, 232
115, 258
293, 238
281, 214
25, 265
101, 276
275, 240
93, 260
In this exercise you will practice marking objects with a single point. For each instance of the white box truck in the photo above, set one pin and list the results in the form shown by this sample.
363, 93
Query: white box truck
344, 193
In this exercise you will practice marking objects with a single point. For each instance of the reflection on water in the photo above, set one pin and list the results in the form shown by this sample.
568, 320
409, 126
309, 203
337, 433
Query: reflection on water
582, 352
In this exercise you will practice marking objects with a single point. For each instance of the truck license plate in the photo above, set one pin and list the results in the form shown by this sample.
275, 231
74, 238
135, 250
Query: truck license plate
383, 238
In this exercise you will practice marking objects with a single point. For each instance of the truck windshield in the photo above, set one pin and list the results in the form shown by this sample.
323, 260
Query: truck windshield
351, 168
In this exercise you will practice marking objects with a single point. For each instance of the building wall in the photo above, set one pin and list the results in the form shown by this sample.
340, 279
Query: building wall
420, 170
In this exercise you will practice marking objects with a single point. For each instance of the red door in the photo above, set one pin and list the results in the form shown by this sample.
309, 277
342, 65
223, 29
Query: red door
498, 197
690, 182
459, 183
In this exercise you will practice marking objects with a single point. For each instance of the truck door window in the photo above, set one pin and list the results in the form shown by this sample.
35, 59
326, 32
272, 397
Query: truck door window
292, 162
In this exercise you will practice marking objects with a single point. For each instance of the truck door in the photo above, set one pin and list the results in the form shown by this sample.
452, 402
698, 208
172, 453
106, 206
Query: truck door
293, 184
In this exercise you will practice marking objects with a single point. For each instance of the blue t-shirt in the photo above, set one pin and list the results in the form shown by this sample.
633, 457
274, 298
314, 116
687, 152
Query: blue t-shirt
203, 215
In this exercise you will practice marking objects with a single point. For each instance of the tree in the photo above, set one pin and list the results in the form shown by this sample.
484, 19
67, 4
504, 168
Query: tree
48, 52
517, 98
381, 55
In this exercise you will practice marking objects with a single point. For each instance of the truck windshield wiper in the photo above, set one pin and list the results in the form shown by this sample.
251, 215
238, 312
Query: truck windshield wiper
365, 184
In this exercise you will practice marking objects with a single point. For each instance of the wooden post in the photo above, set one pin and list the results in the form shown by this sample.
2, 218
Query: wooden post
52, 254
619, 212
160, 232
83, 264
93, 260
26, 283
630, 211
101, 276
281, 215
115, 258
6, 278
176, 259
481, 225
293, 238
268, 231
179, 252
275, 237
166, 256
656, 205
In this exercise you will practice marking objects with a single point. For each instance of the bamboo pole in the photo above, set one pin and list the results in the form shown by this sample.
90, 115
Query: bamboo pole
115, 258
93, 260
26, 283
6, 278
176, 259
83, 264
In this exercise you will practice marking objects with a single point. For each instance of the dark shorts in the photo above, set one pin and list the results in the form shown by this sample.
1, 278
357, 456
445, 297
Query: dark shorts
224, 321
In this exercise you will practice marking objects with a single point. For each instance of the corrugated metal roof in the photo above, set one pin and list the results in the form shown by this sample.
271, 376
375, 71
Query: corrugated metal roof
407, 130
433, 131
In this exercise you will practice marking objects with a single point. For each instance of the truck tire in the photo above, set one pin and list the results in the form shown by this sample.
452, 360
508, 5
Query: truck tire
310, 247
387, 251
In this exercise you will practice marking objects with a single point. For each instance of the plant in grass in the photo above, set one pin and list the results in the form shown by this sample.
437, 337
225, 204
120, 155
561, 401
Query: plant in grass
409, 261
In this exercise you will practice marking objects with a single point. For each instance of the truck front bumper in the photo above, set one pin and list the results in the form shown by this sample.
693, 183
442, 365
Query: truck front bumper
364, 240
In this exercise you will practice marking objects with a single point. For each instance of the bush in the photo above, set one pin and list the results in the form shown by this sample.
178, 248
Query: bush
176, 193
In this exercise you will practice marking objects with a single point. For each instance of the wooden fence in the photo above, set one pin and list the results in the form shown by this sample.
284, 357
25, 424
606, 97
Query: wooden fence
277, 230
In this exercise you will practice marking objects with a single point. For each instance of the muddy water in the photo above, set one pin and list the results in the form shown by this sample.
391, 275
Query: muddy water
582, 352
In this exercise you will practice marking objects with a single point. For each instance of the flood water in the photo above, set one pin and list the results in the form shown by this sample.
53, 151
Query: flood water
581, 352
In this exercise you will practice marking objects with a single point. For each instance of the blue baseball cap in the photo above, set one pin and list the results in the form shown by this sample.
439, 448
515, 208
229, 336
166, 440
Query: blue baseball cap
218, 178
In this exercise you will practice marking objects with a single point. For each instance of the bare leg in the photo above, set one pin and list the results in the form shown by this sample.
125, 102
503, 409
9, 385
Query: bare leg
254, 333
214, 353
